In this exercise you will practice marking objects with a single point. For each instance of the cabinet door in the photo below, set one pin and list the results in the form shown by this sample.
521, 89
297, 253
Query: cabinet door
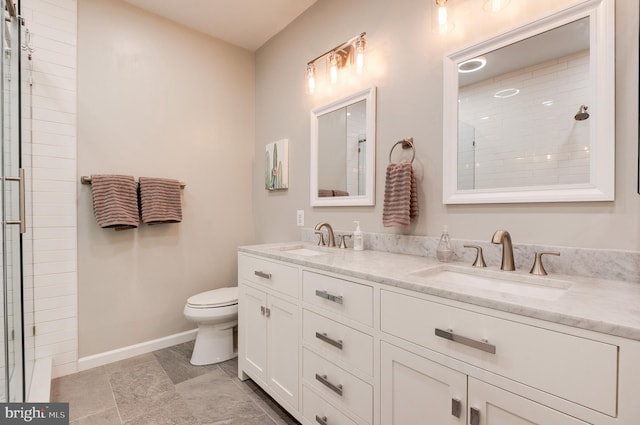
253, 332
415, 390
283, 349
489, 405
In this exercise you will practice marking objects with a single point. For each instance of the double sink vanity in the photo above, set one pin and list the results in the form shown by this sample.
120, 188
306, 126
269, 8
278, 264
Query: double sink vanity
343, 337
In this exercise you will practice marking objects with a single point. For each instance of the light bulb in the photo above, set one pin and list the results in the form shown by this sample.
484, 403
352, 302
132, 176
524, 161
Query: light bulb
443, 18
495, 5
311, 78
333, 69
360, 43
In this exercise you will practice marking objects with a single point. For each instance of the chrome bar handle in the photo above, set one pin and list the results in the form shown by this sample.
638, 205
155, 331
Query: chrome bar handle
262, 274
267, 312
262, 310
475, 416
333, 387
456, 407
327, 296
322, 420
21, 196
482, 345
323, 337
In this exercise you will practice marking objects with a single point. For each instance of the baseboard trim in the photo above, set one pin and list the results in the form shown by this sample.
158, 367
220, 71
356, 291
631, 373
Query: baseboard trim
40, 386
102, 359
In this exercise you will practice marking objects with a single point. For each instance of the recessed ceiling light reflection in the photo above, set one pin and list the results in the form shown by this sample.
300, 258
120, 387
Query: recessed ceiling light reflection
503, 94
472, 65
547, 102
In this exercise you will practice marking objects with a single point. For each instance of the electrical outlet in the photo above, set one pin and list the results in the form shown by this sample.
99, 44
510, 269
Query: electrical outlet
300, 218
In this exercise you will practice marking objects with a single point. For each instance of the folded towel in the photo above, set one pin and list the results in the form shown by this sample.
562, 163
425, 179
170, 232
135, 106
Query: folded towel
160, 200
115, 201
400, 195
325, 193
337, 192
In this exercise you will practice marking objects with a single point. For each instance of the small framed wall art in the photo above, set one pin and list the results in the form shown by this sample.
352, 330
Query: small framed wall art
276, 165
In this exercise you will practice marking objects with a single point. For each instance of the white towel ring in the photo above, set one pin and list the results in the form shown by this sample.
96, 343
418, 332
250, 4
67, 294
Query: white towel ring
406, 143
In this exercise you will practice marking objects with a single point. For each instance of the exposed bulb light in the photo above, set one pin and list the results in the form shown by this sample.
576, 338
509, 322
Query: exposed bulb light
360, 44
311, 78
495, 5
443, 16
333, 67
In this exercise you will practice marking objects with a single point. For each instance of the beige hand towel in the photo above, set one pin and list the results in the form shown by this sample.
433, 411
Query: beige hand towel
400, 195
160, 200
115, 201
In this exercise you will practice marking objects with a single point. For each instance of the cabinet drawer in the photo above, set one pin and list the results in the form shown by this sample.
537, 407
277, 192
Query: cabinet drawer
276, 276
581, 370
353, 347
338, 385
349, 299
318, 411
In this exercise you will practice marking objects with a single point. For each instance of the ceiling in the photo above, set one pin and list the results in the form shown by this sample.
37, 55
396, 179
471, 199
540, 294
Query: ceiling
245, 23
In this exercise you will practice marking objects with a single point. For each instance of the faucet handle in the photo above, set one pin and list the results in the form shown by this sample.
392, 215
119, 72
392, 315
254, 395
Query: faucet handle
321, 239
538, 268
343, 241
479, 261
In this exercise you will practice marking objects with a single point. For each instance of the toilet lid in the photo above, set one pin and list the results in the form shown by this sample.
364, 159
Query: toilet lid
215, 298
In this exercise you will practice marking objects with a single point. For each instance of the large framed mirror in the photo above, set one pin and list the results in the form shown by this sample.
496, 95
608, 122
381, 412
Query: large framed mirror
343, 146
530, 114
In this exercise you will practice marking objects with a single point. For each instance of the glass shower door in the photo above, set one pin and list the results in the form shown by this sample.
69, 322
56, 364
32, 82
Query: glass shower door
13, 213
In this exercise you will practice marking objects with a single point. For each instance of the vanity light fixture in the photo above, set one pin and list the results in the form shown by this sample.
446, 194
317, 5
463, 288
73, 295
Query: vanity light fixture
350, 52
472, 65
495, 5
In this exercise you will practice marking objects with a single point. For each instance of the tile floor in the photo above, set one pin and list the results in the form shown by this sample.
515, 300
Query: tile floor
163, 388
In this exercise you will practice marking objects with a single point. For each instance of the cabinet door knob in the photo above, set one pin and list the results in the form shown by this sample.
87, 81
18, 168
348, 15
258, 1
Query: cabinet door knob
475, 416
456, 407
322, 420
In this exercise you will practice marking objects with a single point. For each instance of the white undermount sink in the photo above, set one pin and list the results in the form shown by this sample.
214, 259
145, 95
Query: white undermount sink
504, 282
302, 250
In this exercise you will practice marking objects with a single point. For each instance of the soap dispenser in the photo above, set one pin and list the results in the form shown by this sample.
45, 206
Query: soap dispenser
444, 252
358, 240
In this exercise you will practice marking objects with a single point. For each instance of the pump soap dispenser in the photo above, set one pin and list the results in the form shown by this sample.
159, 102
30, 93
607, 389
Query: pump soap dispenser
444, 252
358, 240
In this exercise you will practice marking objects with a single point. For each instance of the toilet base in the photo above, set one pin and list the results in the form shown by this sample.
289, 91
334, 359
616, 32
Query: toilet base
214, 344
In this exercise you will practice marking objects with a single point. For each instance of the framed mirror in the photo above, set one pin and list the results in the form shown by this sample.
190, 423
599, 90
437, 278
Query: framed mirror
530, 114
343, 146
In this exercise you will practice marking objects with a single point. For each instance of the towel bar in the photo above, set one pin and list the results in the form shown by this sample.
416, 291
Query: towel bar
87, 180
406, 143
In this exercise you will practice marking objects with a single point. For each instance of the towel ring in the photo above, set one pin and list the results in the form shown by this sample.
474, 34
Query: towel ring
406, 143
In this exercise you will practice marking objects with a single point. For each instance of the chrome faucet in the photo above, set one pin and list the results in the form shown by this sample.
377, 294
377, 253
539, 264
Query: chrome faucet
503, 237
332, 239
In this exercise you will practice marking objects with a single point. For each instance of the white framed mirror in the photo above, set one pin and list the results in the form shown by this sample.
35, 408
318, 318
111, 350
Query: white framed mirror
529, 115
343, 146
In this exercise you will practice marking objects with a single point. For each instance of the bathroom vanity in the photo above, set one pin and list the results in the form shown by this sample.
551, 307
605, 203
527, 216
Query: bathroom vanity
343, 337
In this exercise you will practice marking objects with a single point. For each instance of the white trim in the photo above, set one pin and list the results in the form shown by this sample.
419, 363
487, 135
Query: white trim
40, 387
107, 357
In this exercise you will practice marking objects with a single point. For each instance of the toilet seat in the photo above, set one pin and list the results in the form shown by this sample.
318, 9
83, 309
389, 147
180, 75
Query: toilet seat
221, 297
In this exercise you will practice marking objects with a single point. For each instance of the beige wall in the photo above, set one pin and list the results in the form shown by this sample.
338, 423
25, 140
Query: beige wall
157, 99
405, 62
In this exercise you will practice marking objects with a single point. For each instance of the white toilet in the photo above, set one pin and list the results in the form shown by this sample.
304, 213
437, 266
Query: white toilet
216, 313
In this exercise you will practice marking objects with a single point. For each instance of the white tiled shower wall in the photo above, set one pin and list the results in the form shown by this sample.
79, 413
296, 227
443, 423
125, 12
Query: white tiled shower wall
49, 124
531, 138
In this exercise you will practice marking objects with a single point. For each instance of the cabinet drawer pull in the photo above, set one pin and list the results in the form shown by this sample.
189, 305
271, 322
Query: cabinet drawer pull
456, 407
328, 296
479, 345
322, 420
475, 416
324, 381
262, 274
323, 337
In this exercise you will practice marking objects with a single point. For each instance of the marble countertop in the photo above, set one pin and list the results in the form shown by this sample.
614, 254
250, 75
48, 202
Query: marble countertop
607, 306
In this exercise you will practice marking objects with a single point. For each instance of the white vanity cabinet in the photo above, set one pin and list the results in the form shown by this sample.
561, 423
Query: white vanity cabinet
339, 350
268, 345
